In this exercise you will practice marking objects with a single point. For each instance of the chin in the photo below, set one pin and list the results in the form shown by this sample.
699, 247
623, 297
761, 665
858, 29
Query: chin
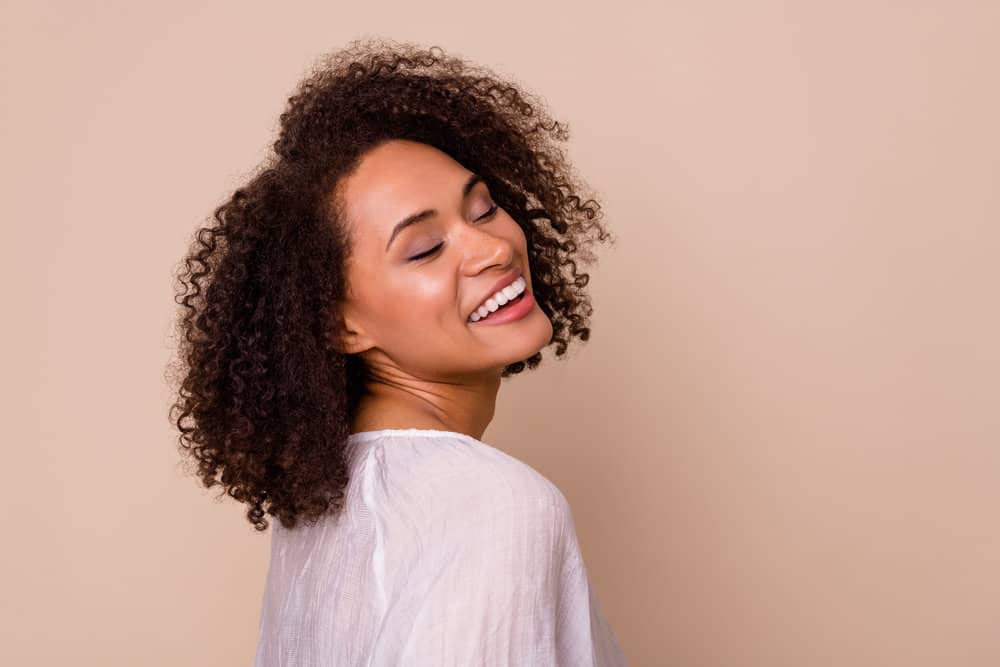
533, 339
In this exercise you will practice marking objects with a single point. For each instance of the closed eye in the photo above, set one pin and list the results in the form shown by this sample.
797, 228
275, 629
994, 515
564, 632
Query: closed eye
425, 254
489, 213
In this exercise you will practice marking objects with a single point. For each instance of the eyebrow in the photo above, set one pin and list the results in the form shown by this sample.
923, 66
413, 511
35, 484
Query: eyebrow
423, 215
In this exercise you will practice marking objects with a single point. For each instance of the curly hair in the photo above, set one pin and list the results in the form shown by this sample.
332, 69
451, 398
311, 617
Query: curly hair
264, 402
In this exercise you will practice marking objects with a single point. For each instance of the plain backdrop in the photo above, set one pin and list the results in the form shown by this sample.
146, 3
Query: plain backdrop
781, 442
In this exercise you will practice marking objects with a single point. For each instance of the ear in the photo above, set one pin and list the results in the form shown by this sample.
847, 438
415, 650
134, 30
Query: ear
353, 339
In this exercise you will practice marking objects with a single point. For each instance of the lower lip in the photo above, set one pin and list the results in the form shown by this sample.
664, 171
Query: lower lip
509, 313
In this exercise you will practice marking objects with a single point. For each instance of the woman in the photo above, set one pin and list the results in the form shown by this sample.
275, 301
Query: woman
346, 323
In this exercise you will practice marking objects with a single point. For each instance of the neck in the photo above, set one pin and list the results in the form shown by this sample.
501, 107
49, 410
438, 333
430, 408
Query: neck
412, 403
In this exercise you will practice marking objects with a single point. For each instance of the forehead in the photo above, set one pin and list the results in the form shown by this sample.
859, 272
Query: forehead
395, 179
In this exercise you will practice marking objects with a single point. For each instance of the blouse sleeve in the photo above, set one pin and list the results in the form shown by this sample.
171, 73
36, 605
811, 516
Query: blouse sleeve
486, 587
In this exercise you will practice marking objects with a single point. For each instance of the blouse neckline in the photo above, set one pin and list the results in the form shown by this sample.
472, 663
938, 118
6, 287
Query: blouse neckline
364, 436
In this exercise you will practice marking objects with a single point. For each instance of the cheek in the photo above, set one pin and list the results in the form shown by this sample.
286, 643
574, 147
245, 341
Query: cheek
422, 300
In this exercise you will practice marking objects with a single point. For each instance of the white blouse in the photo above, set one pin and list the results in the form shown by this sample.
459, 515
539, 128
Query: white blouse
448, 552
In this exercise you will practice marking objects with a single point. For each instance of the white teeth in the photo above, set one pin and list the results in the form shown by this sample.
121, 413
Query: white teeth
499, 299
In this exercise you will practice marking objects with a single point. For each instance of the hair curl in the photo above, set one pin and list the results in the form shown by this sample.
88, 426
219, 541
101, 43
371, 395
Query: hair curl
264, 404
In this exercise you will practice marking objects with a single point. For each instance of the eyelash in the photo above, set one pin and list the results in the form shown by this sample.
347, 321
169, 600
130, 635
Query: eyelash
489, 214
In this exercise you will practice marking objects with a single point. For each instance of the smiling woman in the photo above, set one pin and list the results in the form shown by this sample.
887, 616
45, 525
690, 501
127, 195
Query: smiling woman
347, 319
411, 298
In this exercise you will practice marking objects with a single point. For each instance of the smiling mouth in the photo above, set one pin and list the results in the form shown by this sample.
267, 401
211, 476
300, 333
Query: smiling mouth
511, 302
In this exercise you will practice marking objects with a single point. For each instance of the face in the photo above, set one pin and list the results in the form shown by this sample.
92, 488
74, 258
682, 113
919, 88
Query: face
412, 287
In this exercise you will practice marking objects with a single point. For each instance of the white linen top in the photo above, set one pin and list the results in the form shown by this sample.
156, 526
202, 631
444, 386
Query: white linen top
448, 552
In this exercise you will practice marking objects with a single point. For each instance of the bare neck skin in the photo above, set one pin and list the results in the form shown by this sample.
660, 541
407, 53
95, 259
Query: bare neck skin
404, 402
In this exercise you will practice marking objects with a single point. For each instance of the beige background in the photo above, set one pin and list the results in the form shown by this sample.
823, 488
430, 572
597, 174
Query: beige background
781, 443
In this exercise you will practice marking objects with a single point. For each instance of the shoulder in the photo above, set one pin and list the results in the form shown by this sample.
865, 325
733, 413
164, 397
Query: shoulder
460, 480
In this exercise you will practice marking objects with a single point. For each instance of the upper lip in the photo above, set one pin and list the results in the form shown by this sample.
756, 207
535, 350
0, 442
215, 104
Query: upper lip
499, 285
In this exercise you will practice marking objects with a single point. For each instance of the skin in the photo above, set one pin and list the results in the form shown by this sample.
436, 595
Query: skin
432, 368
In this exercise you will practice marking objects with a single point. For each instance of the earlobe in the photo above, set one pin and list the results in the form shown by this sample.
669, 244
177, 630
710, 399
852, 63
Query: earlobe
352, 343
351, 339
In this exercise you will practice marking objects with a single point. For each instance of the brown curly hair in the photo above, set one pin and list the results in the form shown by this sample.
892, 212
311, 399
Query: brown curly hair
264, 402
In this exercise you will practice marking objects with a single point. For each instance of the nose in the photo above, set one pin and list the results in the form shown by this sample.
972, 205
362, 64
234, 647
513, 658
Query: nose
484, 248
